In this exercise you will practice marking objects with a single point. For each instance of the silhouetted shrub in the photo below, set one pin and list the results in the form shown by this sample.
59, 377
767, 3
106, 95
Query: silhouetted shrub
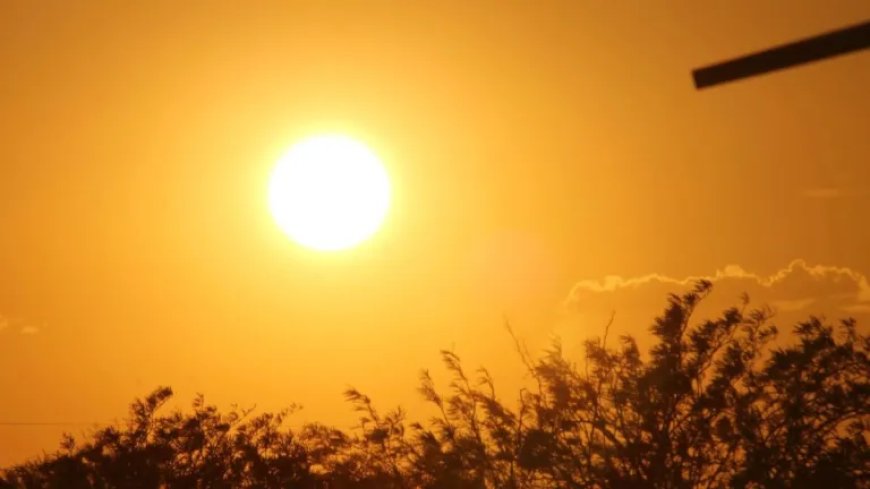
717, 404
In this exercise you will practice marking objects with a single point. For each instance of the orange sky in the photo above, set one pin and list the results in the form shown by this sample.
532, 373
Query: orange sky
535, 148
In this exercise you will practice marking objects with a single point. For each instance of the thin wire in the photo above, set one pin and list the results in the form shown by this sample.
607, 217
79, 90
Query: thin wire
48, 423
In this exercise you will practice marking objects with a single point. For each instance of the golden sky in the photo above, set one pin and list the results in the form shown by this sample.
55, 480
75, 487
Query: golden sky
535, 149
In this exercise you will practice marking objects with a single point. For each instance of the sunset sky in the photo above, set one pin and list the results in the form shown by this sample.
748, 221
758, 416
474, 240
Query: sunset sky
550, 162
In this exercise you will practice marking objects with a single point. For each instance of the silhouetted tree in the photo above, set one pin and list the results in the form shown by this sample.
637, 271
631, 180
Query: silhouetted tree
201, 449
717, 404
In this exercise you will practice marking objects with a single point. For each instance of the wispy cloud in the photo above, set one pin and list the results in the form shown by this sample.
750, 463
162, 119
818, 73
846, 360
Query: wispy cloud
794, 291
798, 275
823, 193
7, 323
29, 330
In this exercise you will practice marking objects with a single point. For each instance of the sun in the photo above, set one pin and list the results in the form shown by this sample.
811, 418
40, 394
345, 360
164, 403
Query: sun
329, 192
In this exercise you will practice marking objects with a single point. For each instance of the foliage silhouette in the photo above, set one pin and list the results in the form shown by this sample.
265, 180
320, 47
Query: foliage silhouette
717, 404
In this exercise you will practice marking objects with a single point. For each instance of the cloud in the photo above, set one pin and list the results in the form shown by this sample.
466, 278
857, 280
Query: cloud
823, 193
25, 329
795, 292
858, 308
29, 330
792, 304
796, 278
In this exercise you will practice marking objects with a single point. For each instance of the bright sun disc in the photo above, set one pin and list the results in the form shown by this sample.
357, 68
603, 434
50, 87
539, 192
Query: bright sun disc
329, 192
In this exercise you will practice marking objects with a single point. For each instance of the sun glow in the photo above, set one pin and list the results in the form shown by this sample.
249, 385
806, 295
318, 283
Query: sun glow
329, 192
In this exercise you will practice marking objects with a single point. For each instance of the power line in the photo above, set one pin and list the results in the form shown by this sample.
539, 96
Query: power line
49, 423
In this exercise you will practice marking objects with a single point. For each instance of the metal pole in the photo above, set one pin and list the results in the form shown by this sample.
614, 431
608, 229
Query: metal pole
815, 48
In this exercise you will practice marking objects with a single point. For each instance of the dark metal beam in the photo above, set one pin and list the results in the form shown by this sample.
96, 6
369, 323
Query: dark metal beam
815, 48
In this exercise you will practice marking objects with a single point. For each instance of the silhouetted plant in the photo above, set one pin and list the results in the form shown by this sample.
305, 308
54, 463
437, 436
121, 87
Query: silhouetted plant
716, 404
